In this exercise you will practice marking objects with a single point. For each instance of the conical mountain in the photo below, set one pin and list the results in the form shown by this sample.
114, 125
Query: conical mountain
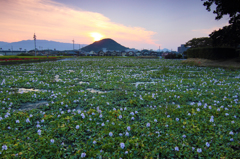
109, 44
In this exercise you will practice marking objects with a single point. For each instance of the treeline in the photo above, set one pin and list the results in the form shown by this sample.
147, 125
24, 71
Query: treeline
223, 43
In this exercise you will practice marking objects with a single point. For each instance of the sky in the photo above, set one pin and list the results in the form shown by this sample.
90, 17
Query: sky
139, 24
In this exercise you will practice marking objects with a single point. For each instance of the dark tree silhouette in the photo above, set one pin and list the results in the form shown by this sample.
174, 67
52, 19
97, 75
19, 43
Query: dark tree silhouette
225, 7
199, 42
227, 36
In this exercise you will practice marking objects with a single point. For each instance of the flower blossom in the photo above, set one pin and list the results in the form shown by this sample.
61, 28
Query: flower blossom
52, 140
4, 147
122, 145
27, 120
148, 125
39, 132
199, 150
207, 144
176, 148
212, 120
83, 155
110, 134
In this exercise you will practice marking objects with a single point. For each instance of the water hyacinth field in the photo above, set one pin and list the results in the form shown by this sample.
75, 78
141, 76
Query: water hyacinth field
119, 108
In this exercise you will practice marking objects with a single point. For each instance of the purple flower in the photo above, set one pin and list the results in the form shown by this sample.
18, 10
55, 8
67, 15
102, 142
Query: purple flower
176, 148
110, 134
122, 145
83, 155
207, 144
148, 124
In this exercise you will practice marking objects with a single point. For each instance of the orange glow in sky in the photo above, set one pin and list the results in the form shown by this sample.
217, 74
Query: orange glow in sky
96, 36
57, 22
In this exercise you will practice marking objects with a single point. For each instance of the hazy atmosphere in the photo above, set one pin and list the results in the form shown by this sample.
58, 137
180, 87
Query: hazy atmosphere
136, 23
121, 79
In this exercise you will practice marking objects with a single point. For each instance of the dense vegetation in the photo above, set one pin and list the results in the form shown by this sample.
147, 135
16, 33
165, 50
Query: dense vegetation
212, 53
119, 108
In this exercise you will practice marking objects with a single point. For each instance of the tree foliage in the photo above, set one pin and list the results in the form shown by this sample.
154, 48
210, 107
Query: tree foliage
225, 7
227, 36
199, 42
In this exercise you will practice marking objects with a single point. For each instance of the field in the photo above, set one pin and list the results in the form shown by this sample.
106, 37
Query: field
119, 108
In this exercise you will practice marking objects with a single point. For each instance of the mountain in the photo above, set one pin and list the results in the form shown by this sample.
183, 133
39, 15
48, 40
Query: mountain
109, 44
164, 50
40, 44
3, 43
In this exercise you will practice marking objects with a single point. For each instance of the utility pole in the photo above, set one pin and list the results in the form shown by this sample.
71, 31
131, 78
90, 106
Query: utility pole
34, 37
73, 43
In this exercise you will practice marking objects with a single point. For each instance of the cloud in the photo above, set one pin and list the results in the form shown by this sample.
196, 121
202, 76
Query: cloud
19, 19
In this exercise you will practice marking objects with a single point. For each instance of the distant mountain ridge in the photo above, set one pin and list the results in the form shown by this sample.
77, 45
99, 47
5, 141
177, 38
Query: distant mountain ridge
2, 43
109, 44
40, 44
164, 50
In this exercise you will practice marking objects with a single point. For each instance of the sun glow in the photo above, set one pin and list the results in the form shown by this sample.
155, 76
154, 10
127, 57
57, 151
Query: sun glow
96, 36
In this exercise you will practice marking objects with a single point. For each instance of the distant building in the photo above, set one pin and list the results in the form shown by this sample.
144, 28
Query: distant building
182, 48
123, 53
153, 53
101, 53
11, 52
145, 52
138, 53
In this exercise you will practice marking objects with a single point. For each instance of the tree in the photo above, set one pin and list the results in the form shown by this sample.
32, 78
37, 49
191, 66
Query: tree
199, 42
227, 36
225, 7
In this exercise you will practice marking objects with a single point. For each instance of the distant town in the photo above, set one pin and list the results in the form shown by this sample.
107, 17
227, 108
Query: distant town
99, 50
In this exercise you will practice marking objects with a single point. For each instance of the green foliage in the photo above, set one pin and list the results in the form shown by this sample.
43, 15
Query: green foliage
199, 42
166, 105
212, 53
25, 54
173, 56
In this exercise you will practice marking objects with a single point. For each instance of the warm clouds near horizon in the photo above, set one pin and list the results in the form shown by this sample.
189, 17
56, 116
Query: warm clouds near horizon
54, 21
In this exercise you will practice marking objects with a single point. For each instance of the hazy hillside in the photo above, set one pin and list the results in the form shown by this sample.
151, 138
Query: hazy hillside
3, 43
164, 50
40, 44
109, 44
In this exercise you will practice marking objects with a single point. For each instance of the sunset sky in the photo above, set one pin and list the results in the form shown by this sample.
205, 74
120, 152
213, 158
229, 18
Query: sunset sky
136, 24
